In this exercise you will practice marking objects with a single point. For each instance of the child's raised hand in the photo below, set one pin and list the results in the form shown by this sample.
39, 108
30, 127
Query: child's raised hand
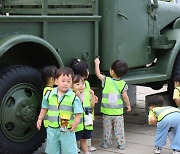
93, 95
97, 61
91, 92
78, 93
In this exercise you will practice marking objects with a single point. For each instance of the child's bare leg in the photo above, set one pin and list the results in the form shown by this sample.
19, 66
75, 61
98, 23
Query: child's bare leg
84, 145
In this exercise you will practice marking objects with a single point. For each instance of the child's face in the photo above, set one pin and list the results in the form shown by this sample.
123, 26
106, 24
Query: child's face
79, 86
176, 83
64, 82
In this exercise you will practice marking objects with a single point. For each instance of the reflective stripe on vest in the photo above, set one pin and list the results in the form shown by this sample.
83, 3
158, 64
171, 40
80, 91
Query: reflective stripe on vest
116, 106
54, 119
113, 108
61, 107
107, 96
57, 110
161, 112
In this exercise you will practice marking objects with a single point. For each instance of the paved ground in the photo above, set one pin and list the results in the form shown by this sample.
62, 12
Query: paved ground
139, 135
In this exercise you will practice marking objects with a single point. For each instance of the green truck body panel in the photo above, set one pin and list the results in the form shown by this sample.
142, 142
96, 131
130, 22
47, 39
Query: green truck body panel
36, 33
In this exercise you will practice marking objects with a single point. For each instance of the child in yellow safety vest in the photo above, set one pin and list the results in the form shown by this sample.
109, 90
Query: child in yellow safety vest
85, 127
176, 94
48, 76
167, 119
80, 67
64, 112
113, 95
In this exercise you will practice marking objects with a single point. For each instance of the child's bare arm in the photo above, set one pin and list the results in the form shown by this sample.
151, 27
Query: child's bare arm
153, 121
126, 100
41, 117
76, 121
176, 97
93, 98
177, 101
97, 70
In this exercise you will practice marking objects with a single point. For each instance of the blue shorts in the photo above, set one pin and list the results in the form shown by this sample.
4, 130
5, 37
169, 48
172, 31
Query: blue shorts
58, 142
84, 134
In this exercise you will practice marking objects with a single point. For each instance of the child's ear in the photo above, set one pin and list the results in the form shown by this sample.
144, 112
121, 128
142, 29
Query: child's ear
52, 79
112, 72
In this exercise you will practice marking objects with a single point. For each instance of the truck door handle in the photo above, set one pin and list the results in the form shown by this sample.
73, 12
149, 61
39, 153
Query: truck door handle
122, 15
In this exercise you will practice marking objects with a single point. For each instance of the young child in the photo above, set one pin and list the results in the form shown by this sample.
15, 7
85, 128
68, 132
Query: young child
113, 94
81, 67
64, 111
165, 118
84, 129
176, 95
48, 76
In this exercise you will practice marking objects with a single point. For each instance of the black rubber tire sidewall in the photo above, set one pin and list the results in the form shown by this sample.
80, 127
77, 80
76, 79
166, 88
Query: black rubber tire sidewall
9, 77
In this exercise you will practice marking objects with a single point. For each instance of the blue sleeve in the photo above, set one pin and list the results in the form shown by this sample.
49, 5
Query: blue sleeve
45, 103
77, 105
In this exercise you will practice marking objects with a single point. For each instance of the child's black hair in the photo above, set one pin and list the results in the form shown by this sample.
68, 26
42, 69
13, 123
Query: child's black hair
48, 72
77, 78
156, 100
65, 71
119, 67
79, 67
177, 78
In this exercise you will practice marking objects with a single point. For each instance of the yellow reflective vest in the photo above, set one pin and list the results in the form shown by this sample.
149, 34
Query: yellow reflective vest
112, 103
46, 92
162, 112
57, 110
86, 104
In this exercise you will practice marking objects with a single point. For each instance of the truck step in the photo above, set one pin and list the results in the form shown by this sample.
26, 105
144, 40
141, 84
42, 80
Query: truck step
144, 77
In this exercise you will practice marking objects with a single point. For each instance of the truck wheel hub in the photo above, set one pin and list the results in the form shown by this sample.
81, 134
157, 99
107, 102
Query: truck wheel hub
28, 113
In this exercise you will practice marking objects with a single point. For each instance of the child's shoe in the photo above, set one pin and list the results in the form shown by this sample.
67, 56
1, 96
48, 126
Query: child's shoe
87, 152
92, 149
104, 145
157, 150
122, 147
176, 152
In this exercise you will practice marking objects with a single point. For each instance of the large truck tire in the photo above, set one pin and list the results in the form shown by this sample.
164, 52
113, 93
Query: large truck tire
175, 72
20, 99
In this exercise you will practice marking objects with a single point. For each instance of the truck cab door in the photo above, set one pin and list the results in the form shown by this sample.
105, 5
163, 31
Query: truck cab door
124, 32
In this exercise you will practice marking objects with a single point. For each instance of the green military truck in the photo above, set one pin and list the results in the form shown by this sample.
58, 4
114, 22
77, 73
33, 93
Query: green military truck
35, 33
